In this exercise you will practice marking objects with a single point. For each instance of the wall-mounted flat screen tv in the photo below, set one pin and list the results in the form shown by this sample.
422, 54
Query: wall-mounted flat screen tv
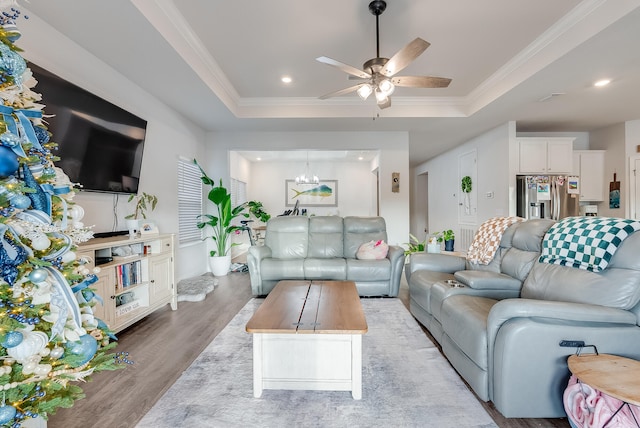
100, 144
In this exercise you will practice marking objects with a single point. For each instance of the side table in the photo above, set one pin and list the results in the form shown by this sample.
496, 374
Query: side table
612, 375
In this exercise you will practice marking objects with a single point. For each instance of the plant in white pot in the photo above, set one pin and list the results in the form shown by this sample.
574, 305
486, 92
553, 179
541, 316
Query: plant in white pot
220, 224
144, 202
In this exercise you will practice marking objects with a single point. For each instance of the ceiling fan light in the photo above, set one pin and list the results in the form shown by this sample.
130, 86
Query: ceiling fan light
386, 87
364, 91
381, 97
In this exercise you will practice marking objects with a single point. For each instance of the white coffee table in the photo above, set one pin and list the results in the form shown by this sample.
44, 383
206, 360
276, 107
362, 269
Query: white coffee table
308, 335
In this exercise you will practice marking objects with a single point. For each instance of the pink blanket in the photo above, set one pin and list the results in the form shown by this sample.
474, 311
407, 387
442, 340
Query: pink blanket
587, 407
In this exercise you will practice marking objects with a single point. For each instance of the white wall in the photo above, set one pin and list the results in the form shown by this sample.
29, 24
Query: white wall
493, 175
394, 157
612, 139
354, 186
168, 136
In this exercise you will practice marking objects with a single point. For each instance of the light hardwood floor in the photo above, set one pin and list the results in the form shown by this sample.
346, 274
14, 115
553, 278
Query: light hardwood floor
164, 344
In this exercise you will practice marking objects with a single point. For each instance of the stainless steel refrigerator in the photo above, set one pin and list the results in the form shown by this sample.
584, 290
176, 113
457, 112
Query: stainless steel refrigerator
547, 196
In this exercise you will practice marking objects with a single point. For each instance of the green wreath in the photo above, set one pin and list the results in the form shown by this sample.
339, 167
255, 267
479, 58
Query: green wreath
466, 184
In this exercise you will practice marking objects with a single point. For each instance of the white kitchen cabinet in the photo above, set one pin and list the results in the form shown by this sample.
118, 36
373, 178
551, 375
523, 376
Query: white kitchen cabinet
589, 166
546, 155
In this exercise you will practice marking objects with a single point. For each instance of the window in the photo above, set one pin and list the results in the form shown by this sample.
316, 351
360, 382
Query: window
238, 192
189, 201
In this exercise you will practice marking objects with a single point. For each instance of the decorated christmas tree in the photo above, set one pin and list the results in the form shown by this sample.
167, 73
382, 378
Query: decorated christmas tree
48, 335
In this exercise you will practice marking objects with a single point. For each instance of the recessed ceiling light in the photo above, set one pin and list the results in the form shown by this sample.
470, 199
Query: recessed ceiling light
258, 158
286, 79
360, 158
603, 82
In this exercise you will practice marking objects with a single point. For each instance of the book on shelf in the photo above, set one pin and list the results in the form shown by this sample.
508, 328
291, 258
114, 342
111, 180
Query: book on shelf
128, 274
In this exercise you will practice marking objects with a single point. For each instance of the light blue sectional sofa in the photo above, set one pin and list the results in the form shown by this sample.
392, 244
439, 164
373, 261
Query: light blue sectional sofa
324, 247
501, 325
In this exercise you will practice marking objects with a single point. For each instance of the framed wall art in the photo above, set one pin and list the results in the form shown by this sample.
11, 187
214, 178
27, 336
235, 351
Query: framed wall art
323, 194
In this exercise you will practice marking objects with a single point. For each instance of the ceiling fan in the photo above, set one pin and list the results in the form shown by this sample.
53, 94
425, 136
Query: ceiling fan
379, 73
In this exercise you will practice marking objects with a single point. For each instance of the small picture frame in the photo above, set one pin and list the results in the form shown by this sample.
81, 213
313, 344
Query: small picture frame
148, 227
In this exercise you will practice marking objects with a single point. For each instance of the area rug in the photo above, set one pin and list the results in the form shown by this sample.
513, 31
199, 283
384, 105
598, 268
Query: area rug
196, 289
405, 383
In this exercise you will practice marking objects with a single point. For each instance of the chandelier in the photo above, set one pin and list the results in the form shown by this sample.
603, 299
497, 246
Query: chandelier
307, 177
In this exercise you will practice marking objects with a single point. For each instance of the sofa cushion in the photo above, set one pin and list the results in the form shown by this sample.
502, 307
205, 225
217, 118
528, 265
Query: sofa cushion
483, 280
368, 270
464, 320
421, 284
618, 286
288, 237
276, 269
358, 230
526, 246
333, 269
325, 237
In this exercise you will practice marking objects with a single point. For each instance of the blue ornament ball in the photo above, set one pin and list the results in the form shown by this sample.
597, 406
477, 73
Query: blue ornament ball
88, 294
7, 413
38, 275
21, 202
8, 162
86, 347
12, 339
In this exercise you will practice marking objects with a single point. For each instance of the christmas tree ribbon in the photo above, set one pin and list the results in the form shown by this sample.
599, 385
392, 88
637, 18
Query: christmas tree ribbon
63, 299
77, 290
52, 190
26, 127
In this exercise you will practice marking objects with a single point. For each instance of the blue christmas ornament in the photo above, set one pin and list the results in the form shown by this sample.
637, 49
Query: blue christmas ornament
7, 413
21, 202
41, 134
11, 255
86, 347
11, 339
8, 162
10, 139
88, 294
38, 275
12, 63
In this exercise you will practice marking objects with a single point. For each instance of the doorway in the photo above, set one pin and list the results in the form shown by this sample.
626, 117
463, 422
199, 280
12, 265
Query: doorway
422, 206
634, 187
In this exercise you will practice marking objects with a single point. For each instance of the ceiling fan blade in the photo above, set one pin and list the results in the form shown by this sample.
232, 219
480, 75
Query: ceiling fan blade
341, 92
421, 81
404, 57
344, 67
385, 104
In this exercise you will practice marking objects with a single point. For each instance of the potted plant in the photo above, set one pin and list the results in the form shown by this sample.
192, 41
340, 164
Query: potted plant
256, 208
220, 224
448, 236
415, 246
144, 202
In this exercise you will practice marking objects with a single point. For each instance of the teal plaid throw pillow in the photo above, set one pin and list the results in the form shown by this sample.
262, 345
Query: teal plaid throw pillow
585, 242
